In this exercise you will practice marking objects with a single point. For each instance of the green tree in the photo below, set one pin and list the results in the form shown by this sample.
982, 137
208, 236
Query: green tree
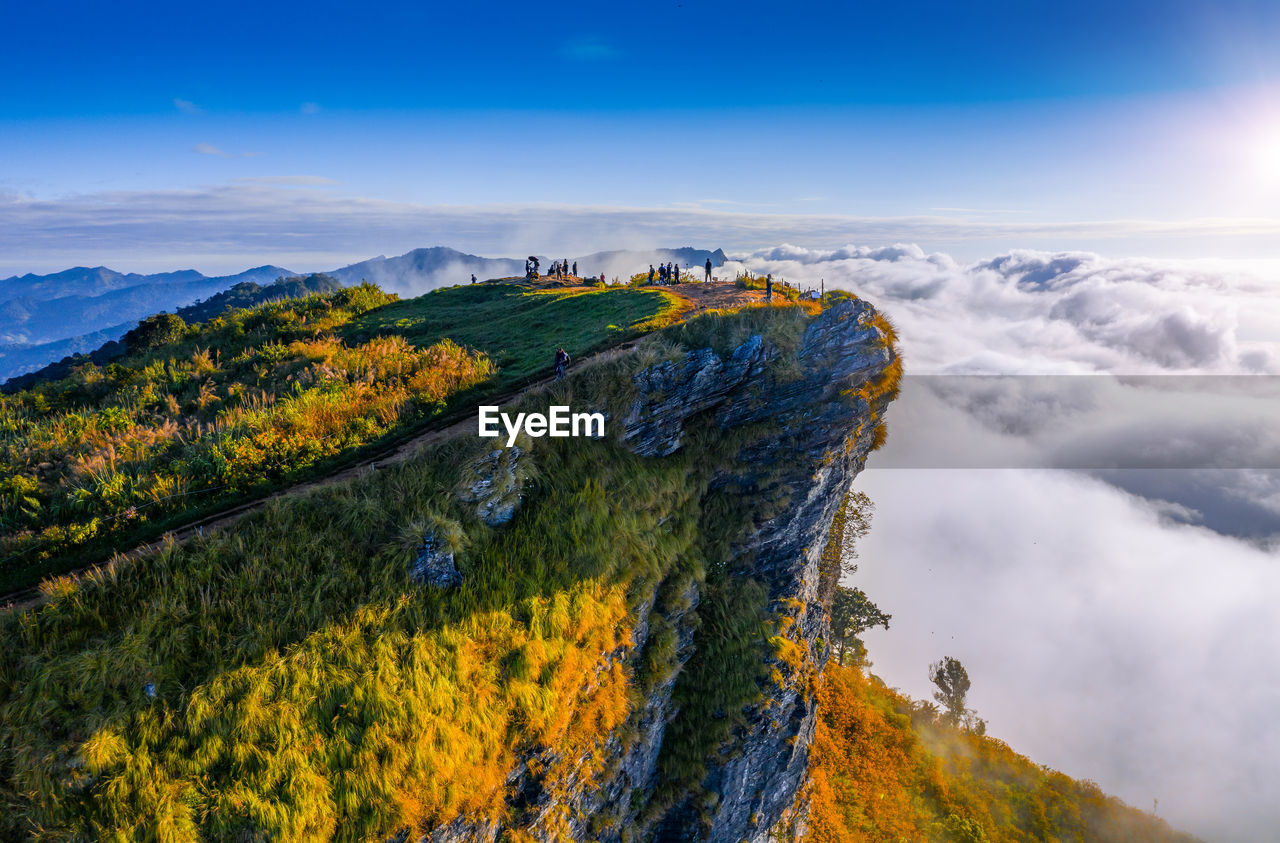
859, 508
154, 331
852, 614
952, 681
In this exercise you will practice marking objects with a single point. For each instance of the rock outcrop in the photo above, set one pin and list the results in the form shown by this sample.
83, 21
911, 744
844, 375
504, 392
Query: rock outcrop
496, 485
805, 425
434, 565
818, 441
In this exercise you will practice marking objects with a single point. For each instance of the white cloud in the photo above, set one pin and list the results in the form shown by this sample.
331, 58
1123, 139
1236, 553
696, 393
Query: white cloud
187, 106
310, 108
1027, 312
1100, 640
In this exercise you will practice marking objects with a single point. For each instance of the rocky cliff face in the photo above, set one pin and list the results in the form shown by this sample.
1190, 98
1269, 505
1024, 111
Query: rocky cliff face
803, 421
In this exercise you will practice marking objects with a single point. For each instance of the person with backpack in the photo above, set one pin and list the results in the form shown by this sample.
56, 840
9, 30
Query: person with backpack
708, 276
677, 275
651, 275
561, 362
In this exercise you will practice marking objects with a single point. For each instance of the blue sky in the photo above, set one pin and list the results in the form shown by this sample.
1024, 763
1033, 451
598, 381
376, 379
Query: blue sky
1011, 113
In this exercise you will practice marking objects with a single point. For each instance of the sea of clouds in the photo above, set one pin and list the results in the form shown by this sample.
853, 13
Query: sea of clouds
1079, 499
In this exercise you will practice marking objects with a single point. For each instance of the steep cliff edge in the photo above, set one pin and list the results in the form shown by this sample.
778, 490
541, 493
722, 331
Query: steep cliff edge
611, 639
798, 421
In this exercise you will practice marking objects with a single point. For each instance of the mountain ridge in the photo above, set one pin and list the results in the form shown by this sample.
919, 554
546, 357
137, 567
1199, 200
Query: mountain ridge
48, 317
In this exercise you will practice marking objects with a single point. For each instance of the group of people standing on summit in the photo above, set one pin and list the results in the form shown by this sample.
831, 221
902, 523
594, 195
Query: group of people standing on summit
559, 269
562, 269
669, 273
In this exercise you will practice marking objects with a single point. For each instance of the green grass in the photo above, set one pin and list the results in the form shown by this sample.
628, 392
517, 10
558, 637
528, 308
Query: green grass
520, 328
262, 398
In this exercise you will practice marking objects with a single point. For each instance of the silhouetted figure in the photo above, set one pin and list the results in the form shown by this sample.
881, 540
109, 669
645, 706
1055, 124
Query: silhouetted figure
575, 269
708, 277
677, 275
768, 287
473, 278
651, 274
562, 362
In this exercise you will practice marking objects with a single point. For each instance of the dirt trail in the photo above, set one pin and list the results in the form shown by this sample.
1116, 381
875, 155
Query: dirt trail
701, 297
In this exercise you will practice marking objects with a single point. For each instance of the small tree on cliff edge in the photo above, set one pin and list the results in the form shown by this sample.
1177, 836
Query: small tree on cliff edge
851, 615
953, 686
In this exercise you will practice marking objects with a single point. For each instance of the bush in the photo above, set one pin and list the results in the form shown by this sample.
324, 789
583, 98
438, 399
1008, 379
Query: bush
155, 331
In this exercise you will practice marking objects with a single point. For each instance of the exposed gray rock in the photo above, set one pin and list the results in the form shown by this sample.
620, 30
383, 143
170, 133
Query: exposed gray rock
435, 565
812, 447
495, 483
670, 393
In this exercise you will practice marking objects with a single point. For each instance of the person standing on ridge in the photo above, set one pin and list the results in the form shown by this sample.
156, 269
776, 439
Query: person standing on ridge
650, 274
768, 287
575, 269
473, 278
708, 277
562, 362
677, 273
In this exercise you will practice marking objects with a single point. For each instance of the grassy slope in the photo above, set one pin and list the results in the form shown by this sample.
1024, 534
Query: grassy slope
518, 328
105, 459
884, 769
305, 689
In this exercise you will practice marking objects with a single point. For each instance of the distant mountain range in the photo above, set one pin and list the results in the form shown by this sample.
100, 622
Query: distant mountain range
416, 272
43, 308
45, 318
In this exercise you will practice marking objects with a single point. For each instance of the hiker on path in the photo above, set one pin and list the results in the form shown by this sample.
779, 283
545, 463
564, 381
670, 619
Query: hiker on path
708, 278
650, 274
768, 287
677, 273
562, 362
473, 278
